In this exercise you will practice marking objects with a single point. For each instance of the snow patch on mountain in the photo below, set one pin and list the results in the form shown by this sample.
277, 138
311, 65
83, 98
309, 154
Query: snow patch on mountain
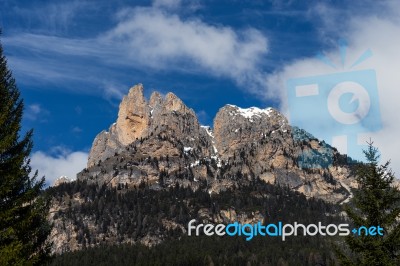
252, 111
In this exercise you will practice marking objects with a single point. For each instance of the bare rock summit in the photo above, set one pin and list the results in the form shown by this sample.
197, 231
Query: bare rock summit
160, 141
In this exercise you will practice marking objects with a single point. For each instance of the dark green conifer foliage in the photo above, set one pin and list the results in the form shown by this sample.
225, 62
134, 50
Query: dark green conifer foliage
23, 225
376, 202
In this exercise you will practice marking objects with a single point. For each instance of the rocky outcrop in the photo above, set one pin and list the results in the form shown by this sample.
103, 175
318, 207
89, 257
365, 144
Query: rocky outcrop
236, 127
260, 143
133, 116
161, 142
104, 146
139, 119
61, 180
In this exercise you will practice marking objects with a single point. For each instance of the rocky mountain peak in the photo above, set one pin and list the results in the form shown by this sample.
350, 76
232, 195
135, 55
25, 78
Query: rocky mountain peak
61, 180
161, 142
156, 99
235, 126
254, 114
173, 103
139, 119
158, 150
133, 116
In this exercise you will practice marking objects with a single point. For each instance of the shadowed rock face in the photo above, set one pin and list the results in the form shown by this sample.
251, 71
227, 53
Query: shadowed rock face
161, 142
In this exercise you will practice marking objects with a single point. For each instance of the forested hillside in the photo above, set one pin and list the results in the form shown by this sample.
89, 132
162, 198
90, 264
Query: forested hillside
117, 221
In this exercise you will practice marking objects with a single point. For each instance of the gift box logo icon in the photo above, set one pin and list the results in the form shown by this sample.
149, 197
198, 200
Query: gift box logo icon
336, 107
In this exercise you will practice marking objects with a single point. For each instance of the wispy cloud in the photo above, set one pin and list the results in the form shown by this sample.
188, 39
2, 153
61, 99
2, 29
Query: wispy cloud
187, 5
36, 112
55, 17
148, 37
167, 3
168, 40
202, 116
76, 130
113, 91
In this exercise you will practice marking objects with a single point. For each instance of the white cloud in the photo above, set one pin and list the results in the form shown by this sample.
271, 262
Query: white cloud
36, 112
181, 5
381, 34
32, 111
76, 130
145, 37
167, 3
160, 40
54, 17
35, 108
64, 164
113, 91
202, 116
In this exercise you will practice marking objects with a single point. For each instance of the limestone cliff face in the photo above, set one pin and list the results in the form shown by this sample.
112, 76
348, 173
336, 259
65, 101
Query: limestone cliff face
260, 143
139, 119
133, 116
161, 142
262, 137
104, 146
235, 128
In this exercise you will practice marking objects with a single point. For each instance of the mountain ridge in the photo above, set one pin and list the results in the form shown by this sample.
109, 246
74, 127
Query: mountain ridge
160, 141
157, 168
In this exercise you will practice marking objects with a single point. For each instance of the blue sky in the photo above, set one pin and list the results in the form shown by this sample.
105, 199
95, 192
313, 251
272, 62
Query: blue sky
74, 60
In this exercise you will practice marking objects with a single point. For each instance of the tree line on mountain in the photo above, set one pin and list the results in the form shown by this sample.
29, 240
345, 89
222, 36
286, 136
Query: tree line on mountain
203, 250
135, 212
276, 203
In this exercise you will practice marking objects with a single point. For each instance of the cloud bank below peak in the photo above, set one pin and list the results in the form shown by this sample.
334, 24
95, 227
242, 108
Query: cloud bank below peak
52, 167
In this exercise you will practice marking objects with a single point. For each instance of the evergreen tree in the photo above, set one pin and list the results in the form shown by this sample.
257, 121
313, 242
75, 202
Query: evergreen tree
375, 203
23, 210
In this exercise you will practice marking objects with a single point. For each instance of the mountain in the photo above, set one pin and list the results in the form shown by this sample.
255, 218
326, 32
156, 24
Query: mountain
141, 226
160, 141
156, 168
62, 179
